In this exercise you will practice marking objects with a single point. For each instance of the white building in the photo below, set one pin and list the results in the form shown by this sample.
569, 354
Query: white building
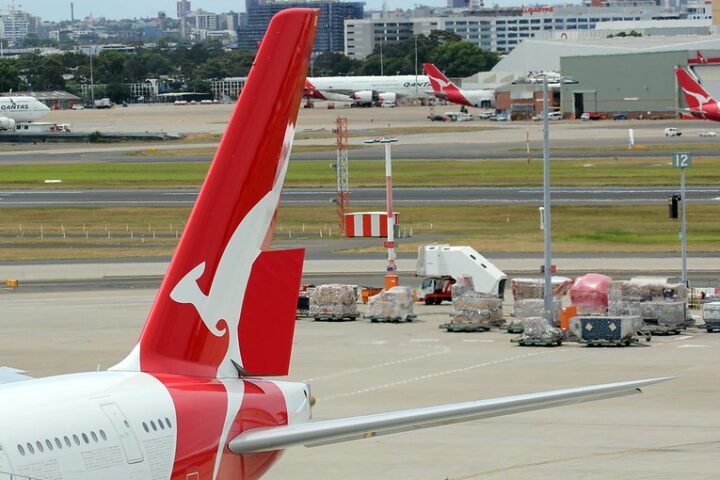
497, 30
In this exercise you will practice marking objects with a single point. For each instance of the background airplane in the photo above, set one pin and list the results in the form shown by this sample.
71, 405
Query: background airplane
189, 403
367, 90
446, 90
15, 110
700, 103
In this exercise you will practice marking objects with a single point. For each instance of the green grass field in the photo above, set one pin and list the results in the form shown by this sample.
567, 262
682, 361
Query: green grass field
77, 233
585, 172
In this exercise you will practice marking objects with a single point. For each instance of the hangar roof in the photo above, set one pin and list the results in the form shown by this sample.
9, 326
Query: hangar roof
544, 55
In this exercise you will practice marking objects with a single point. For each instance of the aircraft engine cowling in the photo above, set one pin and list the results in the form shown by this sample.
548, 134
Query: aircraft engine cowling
387, 97
363, 96
7, 123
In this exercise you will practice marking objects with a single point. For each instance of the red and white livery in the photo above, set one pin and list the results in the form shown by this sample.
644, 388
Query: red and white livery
189, 402
700, 103
444, 89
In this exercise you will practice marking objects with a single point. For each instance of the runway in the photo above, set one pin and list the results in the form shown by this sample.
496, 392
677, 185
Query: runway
366, 196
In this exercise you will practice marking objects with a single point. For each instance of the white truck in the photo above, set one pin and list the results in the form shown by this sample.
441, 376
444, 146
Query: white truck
442, 264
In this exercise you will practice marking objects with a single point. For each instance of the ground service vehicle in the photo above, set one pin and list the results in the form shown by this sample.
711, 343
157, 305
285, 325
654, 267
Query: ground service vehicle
441, 263
672, 132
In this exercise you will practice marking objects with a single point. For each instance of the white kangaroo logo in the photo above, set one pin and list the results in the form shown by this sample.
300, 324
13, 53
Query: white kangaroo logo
701, 99
225, 300
443, 84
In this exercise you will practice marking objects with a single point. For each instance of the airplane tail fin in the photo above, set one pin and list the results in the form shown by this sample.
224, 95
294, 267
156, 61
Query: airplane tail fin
695, 95
226, 306
440, 83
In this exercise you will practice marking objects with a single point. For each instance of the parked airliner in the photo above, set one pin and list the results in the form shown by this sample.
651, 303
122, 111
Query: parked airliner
700, 103
367, 90
444, 89
15, 110
190, 401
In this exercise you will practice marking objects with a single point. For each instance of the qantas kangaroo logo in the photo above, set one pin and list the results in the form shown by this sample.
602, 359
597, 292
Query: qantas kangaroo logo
223, 304
443, 84
701, 99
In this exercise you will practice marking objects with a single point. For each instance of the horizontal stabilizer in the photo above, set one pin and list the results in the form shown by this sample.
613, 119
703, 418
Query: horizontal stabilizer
367, 426
12, 375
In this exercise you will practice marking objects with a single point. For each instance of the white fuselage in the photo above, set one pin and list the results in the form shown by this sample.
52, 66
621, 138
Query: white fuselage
404, 86
108, 425
22, 109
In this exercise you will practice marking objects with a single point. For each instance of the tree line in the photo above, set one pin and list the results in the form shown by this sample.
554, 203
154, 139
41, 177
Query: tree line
192, 66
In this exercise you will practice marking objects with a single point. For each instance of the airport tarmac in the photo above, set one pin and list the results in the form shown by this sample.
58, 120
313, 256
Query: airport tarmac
668, 432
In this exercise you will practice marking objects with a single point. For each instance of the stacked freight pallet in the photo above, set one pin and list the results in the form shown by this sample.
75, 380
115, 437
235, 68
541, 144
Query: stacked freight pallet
473, 311
333, 302
661, 305
528, 298
391, 305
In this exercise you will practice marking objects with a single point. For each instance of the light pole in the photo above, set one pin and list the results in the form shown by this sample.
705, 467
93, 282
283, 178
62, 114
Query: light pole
548, 299
391, 278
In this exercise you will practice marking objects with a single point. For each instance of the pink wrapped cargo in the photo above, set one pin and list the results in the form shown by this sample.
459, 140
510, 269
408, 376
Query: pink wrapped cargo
590, 293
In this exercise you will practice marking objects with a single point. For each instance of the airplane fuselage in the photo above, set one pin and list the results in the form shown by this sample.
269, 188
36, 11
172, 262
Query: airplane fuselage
120, 426
404, 86
709, 111
22, 109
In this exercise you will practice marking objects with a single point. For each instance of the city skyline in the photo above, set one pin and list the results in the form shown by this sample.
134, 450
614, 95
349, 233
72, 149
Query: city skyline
54, 10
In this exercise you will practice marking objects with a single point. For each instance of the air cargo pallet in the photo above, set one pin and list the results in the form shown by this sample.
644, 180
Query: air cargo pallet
335, 318
376, 319
536, 342
465, 327
661, 330
515, 329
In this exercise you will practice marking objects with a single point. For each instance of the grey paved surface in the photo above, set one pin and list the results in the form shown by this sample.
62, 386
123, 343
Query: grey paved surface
368, 196
668, 432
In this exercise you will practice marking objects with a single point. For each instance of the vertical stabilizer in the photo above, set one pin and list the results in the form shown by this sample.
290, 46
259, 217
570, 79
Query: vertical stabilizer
221, 282
440, 83
695, 95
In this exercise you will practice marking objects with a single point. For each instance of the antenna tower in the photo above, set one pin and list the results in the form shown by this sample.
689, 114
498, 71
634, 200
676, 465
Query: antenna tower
343, 174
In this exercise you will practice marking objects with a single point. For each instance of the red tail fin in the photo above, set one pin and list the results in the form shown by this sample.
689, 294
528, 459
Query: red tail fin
439, 82
220, 282
695, 95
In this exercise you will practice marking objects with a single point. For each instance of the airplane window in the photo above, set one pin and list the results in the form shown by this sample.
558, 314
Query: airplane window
76, 440
21, 450
39, 446
85, 438
94, 436
102, 434
145, 426
48, 444
30, 448
161, 424
167, 422
152, 424
58, 443
67, 441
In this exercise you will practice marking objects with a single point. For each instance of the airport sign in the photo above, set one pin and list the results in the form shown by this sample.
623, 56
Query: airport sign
682, 160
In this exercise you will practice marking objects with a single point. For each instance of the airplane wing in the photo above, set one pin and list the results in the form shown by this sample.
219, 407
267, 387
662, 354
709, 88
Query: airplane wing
353, 428
11, 375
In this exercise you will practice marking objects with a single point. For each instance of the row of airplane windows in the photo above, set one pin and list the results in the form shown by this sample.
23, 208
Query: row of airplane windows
39, 448
68, 441
160, 425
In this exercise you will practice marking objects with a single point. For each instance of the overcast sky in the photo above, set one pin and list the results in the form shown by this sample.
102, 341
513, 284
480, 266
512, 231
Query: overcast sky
60, 9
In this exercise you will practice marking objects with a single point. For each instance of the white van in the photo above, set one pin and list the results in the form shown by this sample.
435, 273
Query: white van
555, 116
672, 132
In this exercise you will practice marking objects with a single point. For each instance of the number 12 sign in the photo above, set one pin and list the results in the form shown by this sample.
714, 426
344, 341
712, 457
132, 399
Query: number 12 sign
682, 160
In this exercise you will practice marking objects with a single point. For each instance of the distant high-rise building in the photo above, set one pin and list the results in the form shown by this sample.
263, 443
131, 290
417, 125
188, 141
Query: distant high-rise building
183, 8
330, 32
72, 12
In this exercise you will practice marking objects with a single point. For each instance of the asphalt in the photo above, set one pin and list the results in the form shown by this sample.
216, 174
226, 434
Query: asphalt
367, 196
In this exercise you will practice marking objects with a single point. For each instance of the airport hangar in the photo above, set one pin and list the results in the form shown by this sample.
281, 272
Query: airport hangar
633, 75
